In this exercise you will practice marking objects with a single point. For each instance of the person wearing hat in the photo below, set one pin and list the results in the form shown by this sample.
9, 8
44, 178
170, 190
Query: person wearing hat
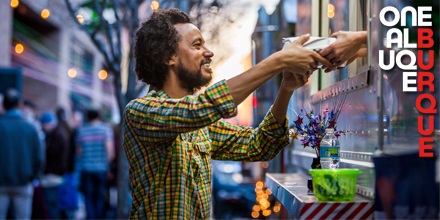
57, 143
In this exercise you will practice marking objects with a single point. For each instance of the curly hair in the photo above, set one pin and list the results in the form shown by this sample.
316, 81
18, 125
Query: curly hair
156, 41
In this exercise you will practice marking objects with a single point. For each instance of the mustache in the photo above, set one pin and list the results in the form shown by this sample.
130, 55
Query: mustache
207, 60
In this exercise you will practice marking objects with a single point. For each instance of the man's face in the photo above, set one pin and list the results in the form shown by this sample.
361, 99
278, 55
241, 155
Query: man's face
193, 58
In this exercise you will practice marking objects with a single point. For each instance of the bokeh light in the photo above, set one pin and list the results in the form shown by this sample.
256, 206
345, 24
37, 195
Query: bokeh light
331, 10
255, 214
267, 212
155, 5
268, 192
72, 73
19, 48
14, 3
259, 184
102, 74
277, 207
45, 13
80, 18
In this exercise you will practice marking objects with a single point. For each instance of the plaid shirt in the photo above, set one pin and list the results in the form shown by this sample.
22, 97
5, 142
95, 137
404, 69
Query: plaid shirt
170, 143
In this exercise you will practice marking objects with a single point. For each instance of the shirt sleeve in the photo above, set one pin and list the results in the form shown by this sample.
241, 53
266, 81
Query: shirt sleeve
155, 119
109, 136
232, 142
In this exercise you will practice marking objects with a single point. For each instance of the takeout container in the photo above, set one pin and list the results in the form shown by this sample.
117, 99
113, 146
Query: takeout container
334, 184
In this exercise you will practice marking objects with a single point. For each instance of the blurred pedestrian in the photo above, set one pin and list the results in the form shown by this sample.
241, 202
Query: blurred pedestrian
20, 158
69, 189
57, 144
67, 129
29, 111
96, 149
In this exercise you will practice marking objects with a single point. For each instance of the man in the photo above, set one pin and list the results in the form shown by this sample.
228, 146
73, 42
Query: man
96, 149
171, 135
20, 158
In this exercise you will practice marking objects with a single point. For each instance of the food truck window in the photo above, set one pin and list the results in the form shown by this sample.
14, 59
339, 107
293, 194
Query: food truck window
343, 15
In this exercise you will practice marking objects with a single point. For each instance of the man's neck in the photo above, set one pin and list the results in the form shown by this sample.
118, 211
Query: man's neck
173, 88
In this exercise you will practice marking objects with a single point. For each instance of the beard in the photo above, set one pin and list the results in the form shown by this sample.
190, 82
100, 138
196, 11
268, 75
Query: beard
192, 80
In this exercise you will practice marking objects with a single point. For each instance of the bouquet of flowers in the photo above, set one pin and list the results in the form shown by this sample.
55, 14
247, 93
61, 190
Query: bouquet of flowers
309, 127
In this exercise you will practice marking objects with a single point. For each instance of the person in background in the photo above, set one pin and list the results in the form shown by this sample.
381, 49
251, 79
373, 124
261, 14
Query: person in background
20, 158
95, 149
67, 129
71, 178
29, 110
57, 144
171, 134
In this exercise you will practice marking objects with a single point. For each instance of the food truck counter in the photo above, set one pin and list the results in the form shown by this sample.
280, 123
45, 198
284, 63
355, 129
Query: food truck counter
291, 190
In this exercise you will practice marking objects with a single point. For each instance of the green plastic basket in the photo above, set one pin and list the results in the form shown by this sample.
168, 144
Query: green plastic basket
334, 184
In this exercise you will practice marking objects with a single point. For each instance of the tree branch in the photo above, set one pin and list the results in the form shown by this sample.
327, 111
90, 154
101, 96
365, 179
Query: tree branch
117, 30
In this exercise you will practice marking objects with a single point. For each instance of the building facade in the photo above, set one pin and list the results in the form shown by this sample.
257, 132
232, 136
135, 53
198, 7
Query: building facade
58, 62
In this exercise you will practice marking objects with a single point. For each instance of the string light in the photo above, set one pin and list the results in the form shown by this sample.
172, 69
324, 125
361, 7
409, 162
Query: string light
267, 212
331, 10
277, 207
263, 205
80, 18
45, 13
155, 5
268, 192
259, 185
102, 74
19, 48
72, 73
14, 3
255, 214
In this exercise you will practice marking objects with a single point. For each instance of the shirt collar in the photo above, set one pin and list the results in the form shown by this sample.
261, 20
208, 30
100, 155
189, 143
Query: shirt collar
13, 112
159, 93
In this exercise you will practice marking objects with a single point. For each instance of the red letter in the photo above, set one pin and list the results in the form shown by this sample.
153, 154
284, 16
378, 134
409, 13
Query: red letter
422, 82
425, 38
430, 60
423, 147
420, 124
431, 109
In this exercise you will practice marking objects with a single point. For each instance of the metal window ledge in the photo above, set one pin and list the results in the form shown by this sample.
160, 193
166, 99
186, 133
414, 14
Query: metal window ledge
291, 190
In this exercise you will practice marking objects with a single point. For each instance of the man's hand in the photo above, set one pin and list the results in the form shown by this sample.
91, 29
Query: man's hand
301, 60
292, 81
347, 47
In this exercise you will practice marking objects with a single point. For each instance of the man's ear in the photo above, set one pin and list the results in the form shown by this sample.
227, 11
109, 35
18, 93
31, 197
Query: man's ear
172, 61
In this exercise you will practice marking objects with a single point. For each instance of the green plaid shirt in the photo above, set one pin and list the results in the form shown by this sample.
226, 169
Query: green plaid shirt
170, 143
